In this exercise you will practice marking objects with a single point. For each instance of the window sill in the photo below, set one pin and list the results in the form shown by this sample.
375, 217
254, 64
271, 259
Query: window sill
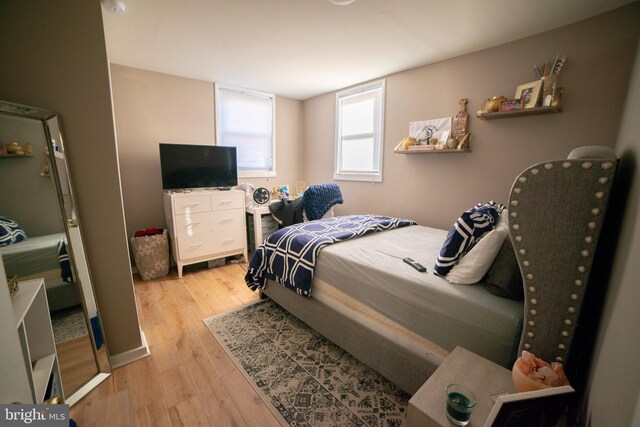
357, 177
256, 174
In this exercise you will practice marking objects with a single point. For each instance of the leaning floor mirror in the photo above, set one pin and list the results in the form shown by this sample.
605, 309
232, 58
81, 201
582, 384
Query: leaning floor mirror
37, 198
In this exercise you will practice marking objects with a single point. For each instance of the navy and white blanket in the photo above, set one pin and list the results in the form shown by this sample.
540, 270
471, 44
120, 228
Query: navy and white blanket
289, 256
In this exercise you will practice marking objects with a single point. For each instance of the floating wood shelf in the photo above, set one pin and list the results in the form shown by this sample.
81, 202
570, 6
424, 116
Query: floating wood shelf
465, 142
515, 113
447, 150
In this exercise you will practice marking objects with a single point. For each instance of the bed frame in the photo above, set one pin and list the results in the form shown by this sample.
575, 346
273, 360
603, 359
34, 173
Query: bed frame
556, 213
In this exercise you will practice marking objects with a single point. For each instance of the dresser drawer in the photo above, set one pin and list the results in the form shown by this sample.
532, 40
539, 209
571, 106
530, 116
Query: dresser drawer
210, 242
225, 200
192, 204
203, 222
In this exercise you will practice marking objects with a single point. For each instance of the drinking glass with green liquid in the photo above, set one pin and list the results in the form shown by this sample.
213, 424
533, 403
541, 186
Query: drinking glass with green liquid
460, 403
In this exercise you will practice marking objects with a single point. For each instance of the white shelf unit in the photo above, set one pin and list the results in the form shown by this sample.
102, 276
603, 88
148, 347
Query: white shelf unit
33, 323
205, 225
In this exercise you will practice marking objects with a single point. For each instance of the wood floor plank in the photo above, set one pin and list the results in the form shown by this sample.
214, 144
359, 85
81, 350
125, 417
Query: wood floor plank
186, 303
76, 361
221, 412
186, 414
221, 361
216, 402
155, 414
177, 386
115, 410
188, 379
254, 411
140, 377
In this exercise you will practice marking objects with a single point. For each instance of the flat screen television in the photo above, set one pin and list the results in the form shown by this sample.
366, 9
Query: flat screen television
197, 166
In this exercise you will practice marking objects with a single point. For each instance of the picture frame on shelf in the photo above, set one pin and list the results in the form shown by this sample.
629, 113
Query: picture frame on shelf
529, 93
424, 130
512, 104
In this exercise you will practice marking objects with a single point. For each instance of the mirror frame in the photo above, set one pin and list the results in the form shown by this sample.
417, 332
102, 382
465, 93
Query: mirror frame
103, 365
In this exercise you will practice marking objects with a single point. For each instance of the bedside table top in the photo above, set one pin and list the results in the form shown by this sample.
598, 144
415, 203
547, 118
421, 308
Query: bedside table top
258, 209
485, 379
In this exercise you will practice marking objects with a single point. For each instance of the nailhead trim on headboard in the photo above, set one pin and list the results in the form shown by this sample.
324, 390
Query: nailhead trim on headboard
550, 246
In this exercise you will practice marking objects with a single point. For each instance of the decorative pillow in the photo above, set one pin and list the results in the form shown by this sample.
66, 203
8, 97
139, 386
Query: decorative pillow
504, 278
65, 263
472, 225
10, 232
475, 263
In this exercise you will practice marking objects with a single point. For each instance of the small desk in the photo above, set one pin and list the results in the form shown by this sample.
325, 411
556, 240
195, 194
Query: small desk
260, 210
485, 379
257, 211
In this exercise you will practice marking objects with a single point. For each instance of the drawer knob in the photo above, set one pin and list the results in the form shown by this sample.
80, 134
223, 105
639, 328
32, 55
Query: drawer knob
225, 202
226, 242
227, 220
194, 246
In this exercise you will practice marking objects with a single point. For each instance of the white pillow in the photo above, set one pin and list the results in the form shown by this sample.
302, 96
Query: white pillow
475, 264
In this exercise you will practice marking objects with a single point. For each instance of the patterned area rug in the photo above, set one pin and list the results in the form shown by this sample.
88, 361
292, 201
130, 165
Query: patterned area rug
305, 378
68, 323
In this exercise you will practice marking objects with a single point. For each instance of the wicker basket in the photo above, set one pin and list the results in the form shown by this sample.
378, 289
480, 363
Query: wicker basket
151, 254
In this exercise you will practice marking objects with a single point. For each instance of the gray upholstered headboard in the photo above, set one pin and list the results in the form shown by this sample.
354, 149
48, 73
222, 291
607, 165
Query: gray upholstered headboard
556, 213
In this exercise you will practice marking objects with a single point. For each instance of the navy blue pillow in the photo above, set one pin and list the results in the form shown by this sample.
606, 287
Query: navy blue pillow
10, 232
65, 263
472, 225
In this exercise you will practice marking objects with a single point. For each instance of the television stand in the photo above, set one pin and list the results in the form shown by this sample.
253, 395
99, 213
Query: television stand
224, 188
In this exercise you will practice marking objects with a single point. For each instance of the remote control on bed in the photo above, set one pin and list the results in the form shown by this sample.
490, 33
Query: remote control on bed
415, 264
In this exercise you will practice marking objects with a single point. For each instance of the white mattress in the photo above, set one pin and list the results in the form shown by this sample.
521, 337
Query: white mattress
370, 271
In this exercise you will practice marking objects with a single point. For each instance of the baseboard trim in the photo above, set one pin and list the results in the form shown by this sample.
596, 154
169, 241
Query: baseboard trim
130, 356
85, 389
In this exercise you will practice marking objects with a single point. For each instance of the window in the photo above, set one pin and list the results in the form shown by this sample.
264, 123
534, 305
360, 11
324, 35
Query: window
359, 129
245, 119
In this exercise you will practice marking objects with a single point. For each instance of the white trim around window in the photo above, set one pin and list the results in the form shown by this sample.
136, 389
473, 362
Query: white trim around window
246, 119
359, 133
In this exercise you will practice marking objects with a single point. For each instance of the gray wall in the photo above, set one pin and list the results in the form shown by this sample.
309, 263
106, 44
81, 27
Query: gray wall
152, 107
63, 68
25, 196
435, 188
615, 378
53, 56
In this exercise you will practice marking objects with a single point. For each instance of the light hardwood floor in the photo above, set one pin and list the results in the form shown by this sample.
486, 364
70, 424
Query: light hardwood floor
77, 363
188, 380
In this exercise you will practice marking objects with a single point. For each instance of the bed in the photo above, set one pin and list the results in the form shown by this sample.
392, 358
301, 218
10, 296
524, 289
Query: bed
39, 257
404, 323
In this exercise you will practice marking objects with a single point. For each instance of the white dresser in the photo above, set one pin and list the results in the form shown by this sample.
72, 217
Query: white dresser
205, 225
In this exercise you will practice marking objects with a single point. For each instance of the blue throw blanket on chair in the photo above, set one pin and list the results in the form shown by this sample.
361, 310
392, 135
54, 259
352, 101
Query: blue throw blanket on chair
318, 199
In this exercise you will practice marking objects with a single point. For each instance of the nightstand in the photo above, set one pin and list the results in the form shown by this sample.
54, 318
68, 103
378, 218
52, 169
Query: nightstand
485, 379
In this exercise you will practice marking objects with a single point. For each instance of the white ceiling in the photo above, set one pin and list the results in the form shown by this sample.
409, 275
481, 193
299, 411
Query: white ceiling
303, 48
